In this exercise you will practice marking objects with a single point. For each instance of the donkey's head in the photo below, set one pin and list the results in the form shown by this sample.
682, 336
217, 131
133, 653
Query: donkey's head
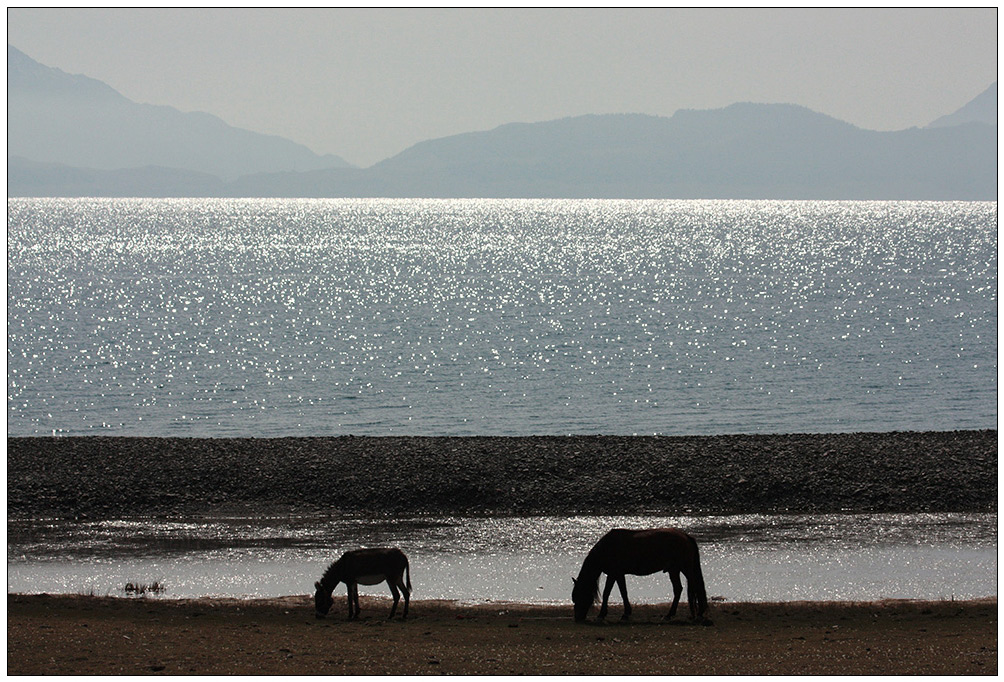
322, 601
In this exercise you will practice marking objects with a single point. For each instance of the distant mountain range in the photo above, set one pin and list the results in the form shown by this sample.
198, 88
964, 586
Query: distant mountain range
982, 109
75, 136
55, 117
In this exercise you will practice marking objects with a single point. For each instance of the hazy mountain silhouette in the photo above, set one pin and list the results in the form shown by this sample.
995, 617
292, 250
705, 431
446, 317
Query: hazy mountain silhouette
55, 117
982, 109
95, 142
750, 151
27, 178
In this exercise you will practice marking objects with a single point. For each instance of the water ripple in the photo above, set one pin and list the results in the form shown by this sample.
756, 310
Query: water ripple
463, 317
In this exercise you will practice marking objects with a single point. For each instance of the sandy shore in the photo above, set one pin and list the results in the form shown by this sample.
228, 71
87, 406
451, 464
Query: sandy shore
98, 477
98, 635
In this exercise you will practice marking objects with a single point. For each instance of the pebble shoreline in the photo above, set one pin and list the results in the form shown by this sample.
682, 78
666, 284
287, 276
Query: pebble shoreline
106, 477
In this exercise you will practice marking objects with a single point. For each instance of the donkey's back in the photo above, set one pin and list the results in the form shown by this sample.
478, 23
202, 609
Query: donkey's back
372, 561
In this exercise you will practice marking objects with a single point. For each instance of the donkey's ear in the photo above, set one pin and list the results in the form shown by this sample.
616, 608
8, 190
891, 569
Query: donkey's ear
574, 581
317, 585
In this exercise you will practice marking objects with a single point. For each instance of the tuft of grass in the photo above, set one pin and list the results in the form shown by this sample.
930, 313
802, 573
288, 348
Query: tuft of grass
141, 589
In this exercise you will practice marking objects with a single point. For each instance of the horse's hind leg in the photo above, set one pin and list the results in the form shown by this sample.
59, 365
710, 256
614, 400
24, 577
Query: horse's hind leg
677, 591
622, 584
692, 596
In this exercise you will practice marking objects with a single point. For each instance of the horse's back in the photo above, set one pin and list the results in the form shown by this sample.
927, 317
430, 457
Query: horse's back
634, 536
643, 551
375, 552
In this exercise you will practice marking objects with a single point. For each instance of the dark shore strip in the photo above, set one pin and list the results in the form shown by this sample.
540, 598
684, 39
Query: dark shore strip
100, 477
80, 635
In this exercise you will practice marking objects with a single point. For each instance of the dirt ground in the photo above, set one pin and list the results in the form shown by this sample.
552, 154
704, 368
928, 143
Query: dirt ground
80, 635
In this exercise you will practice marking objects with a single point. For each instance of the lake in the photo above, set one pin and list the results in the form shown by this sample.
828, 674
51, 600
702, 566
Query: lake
219, 318
270, 318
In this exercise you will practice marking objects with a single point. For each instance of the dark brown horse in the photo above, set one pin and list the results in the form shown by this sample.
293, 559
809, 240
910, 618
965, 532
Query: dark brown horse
640, 552
364, 567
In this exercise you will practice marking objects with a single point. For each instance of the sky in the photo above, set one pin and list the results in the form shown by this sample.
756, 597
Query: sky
366, 84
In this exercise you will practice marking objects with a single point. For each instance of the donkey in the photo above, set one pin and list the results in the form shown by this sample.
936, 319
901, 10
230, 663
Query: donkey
366, 567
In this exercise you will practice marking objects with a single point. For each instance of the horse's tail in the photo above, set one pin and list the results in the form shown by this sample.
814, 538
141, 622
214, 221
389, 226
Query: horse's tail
407, 574
696, 592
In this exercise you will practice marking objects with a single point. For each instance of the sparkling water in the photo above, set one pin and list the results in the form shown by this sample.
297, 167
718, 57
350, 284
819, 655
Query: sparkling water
500, 317
755, 557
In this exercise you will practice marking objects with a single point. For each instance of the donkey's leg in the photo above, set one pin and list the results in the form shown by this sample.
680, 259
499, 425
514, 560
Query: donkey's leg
622, 584
407, 594
348, 595
355, 598
677, 591
606, 595
397, 597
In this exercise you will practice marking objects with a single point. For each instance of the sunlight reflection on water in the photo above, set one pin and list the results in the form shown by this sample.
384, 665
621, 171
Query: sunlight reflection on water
527, 559
482, 317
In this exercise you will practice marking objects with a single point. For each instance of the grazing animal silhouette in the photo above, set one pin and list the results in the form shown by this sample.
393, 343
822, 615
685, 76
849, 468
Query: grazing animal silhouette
640, 552
364, 567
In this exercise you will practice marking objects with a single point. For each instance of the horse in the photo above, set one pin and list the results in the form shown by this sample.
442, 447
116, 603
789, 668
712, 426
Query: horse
640, 552
366, 567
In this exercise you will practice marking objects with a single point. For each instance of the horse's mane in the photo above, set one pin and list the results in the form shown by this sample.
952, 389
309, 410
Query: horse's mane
589, 576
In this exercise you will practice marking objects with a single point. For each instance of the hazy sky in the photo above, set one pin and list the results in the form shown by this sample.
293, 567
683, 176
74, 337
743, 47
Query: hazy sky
366, 84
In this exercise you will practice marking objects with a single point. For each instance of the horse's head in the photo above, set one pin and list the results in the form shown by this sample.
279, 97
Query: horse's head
322, 601
583, 596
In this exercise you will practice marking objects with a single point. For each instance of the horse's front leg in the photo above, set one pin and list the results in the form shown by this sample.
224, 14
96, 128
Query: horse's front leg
677, 591
607, 587
622, 584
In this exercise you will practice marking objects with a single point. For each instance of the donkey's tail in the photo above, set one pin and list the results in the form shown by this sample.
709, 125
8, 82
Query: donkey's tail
407, 574
695, 583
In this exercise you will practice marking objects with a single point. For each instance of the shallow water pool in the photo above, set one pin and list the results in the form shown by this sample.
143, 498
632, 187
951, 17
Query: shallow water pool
526, 559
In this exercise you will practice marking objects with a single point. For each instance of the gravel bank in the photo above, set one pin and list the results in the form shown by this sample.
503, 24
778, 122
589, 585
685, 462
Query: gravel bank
99, 477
